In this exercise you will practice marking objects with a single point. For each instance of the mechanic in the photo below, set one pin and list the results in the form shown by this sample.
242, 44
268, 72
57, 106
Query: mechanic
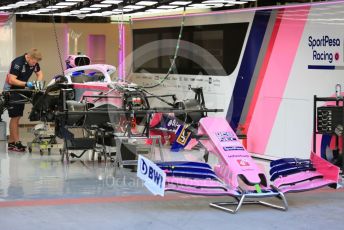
18, 77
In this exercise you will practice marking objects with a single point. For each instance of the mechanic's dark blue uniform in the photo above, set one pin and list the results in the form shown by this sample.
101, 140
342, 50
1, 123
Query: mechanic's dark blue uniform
23, 71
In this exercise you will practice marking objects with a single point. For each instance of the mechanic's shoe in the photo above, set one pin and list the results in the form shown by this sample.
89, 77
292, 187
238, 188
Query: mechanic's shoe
17, 147
20, 145
11, 146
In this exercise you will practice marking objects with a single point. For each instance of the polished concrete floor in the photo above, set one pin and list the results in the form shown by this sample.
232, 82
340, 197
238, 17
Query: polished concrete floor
42, 192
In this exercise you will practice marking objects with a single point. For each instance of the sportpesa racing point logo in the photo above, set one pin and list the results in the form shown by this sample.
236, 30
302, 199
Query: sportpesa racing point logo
322, 48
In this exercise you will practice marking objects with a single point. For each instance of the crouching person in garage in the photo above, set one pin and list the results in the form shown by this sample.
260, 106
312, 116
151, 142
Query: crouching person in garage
18, 77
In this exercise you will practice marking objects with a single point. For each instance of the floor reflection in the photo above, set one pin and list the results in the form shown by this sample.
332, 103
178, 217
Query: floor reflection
31, 176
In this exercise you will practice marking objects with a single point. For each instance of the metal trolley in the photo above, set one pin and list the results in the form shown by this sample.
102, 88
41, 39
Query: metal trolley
44, 139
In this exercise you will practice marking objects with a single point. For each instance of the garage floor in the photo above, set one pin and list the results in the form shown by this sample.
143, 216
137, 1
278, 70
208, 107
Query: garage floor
41, 192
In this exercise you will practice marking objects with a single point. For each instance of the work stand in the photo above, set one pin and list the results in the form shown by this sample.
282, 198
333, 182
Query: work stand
249, 199
44, 139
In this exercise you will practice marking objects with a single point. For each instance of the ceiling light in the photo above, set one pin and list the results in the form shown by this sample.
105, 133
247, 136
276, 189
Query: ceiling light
124, 10
167, 7
181, 3
43, 10
155, 10
111, 2
64, 14
25, 2
78, 12
205, 5
31, 12
57, 7
89, 9
51, 9
101, 5
95, 14
19, 4
224, 2
146, 3
236, 2
13, 6
23, 12
66, 3
134, 7
107, 13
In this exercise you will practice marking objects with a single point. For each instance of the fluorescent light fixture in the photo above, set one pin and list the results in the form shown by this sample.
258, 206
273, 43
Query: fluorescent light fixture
224, 2
66, 3
95, 14
107, 13
167, 7
124, 10
134, 7
200, 6
89, 9
243, 2
20, 4
101, 5
155, 10
177, 9
23, 12
51, 9
79, 11
43, 10
111, 2
64, 14
5, 8
181, 3
12, 6
57, 7
146, 3
33, 12
25, 3
74, 0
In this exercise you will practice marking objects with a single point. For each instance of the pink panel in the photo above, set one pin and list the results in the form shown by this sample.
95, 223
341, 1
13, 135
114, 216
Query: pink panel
307, 185
96, 48
3, 19
330, 171
275, 80
297, 178
235, 160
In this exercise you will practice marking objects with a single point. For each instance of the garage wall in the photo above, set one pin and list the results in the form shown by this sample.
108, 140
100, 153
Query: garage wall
42, 36
7, 47
287, 58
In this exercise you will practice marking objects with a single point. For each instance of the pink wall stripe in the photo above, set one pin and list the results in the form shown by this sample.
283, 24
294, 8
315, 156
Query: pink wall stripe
261, 75
275, 81
121, 52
